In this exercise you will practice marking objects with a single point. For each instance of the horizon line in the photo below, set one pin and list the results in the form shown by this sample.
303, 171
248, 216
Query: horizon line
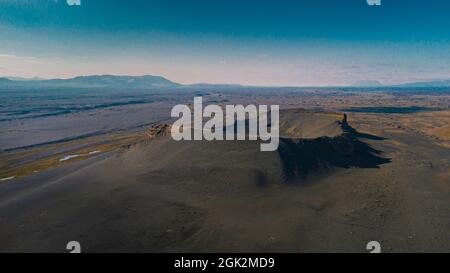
37, 78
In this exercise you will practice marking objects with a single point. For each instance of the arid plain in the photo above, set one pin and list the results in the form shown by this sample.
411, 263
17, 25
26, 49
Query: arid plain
353, 166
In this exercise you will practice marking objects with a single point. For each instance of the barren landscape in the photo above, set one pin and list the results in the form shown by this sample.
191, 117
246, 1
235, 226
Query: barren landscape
251, 129
353, 166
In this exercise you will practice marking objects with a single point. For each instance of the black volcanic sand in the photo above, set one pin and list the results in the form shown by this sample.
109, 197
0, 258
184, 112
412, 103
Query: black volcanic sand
328, 188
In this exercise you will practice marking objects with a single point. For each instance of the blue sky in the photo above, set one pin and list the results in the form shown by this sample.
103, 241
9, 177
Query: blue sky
279, 43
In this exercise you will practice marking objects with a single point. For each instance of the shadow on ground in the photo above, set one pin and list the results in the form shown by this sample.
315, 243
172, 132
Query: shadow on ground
300, 157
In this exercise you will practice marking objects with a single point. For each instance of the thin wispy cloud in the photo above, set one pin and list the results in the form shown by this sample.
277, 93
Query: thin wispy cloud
23, 58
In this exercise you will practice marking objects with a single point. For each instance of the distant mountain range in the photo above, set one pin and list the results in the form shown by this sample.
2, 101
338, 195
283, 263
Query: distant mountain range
149, 81
100, 81
435, 83
374, 83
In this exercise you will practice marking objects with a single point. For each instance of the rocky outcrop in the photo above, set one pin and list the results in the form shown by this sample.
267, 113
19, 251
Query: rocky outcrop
158, 129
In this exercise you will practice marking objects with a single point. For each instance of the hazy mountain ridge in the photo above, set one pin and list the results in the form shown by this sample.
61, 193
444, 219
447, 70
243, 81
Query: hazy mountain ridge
430, 83
150, 81
367, 83
434, 83
96, 81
